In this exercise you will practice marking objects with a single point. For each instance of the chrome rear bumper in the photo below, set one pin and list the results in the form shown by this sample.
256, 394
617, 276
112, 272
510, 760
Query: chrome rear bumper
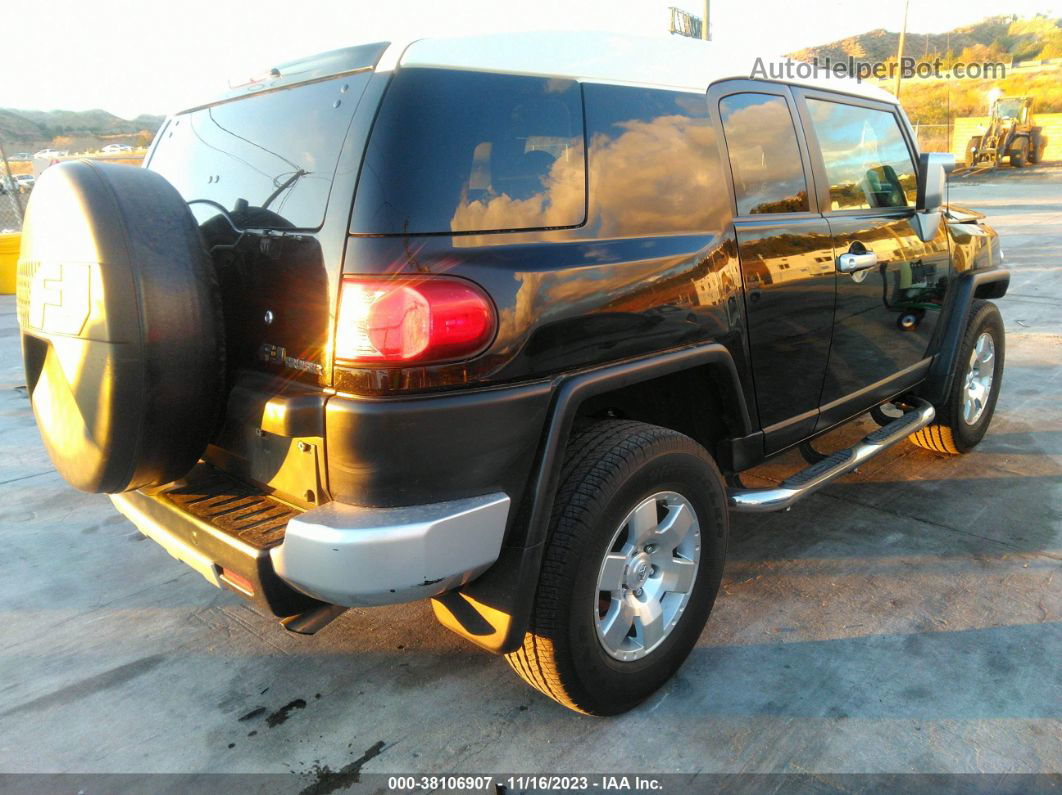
357, 556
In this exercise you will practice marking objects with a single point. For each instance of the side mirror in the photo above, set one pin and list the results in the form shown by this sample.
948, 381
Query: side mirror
933, 171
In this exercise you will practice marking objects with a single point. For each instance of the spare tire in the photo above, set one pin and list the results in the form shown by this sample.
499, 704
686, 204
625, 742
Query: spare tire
122, 336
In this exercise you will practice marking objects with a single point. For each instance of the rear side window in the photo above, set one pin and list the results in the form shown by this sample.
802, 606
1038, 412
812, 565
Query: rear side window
867, 161
268, 159
654, 162
458, 151
764, 156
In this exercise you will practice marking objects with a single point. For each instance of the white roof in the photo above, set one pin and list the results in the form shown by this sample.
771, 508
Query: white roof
673, 62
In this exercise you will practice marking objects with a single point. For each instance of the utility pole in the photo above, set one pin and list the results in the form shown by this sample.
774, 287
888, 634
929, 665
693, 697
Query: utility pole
899, 50
704, 23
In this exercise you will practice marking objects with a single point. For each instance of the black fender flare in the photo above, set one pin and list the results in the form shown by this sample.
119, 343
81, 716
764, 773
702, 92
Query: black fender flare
493, 611
573, 390
987, 283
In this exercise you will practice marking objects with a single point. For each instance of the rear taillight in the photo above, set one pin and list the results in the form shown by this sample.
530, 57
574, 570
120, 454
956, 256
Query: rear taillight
411, 321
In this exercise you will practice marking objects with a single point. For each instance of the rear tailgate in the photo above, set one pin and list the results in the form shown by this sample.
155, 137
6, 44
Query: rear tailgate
261, 169
257, 168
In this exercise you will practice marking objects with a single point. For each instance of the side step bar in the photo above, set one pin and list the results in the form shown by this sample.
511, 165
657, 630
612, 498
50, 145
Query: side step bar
832, 466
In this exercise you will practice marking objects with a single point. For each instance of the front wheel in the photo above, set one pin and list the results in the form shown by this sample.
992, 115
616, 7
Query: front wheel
631, 568
963, 420
1020, 156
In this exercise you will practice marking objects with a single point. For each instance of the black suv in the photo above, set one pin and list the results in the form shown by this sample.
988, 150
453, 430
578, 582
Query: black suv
498, 322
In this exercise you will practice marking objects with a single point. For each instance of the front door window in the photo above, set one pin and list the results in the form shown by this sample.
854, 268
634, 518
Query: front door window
867, 161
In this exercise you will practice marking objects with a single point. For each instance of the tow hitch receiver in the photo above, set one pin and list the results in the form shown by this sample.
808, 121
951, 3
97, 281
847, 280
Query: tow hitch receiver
814, 477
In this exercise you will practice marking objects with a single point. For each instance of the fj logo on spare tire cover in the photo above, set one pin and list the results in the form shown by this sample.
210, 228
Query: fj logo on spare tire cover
59, 300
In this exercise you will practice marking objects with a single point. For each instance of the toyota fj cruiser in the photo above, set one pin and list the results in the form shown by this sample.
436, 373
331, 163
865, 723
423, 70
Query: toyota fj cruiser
499, 322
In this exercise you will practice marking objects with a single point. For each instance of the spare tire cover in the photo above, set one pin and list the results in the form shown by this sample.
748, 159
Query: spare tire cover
122, 338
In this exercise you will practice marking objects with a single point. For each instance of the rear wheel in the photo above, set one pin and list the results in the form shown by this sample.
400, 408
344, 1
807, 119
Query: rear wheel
971, 150
963, 420
631, 569
1036, 150
1039, 145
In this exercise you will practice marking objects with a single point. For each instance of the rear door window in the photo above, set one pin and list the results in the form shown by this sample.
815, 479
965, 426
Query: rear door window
459, 151
867, 161
267, 159
764, 154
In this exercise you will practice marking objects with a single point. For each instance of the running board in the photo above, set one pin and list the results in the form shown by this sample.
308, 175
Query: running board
832, 466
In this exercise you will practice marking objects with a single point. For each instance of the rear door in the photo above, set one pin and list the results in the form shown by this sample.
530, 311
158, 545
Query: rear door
786, 254
257, 171
890, 283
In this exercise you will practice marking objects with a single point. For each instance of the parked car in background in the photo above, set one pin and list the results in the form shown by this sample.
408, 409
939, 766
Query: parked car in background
25, 182
114, 148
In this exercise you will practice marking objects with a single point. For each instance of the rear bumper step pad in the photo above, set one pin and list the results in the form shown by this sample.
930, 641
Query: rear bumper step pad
255, 518
816, 476
214, 522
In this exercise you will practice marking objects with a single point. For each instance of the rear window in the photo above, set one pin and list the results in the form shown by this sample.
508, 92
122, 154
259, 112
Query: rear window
473, 152
654, 162
268, 159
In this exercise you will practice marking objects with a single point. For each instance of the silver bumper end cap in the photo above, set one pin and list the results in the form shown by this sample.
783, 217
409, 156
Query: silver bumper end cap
356, 556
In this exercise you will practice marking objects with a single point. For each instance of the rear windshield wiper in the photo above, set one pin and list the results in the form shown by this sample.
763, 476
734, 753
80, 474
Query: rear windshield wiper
284, 186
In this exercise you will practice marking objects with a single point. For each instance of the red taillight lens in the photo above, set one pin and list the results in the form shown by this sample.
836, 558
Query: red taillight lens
399, 321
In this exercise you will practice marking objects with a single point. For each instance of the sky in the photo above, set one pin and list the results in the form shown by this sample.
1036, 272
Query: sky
157, 57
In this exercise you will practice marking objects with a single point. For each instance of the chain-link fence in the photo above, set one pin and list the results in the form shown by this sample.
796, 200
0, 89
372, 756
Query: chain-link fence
11, 206
12, 200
